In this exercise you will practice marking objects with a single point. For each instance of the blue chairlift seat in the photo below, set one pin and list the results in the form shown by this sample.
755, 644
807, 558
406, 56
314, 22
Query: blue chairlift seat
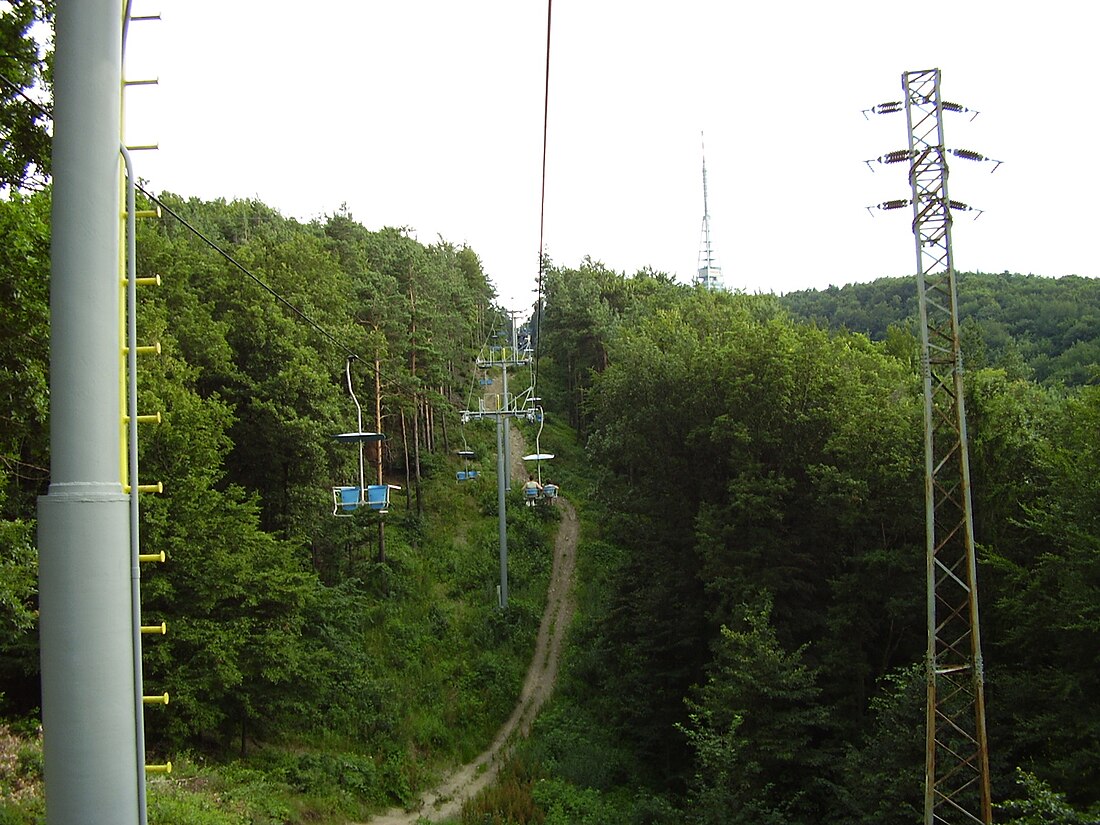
466, 475
345, 500
550, 490
530, 492
378, 497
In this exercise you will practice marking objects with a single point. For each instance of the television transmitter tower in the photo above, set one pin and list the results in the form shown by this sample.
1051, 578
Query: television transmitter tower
709, 273
957, 788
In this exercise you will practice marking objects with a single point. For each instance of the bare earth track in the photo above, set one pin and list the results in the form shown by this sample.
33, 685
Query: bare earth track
445, 800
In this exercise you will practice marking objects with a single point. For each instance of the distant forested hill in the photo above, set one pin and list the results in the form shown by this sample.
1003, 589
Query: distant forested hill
1047, 329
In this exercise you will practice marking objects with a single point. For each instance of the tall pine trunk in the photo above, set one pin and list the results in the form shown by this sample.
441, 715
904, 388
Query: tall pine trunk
416, 460
378, 429
405, 442
443, 422
416, 399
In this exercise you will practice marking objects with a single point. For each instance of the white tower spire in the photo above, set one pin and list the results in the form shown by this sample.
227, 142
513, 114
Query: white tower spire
709, 273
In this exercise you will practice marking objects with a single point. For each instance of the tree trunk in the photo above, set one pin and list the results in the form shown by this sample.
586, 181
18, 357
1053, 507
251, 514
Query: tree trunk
416, 397
429, 410
405, 442
416, 459
378, 429
443, 421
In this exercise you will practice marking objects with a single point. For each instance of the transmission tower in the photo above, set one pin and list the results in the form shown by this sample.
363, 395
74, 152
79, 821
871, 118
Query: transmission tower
709, 273
957, 788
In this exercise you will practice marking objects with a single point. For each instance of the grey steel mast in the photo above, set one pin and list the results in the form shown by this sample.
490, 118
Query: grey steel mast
88, 691
709, 273
508, 407
957, 786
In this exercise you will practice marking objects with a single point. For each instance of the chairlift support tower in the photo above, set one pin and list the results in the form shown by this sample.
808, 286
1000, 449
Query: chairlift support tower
709, 273
89, 547
957, 785
508, 407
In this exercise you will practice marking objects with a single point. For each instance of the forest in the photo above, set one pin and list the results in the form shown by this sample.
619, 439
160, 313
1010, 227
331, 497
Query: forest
755, 652
749, 636
1044, 329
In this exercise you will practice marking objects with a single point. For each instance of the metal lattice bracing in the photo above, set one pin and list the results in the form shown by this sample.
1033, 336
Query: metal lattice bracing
957, 788
708, 273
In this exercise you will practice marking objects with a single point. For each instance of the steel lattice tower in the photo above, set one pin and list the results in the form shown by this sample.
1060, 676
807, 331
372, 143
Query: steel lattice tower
709, 273
957, 788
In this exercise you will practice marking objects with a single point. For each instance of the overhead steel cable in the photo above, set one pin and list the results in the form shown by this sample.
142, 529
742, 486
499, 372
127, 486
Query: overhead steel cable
16, 89
325, 333
542, 200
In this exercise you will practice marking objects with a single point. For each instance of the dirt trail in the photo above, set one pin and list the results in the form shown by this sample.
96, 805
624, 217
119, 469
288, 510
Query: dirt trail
445, 800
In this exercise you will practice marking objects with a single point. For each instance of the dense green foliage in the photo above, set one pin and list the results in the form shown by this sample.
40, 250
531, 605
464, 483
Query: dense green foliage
347, 676
752, 650
1046, 329
256, 564
25, 72
24, 405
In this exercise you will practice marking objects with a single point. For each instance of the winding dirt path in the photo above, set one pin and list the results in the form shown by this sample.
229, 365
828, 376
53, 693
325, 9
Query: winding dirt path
445, 800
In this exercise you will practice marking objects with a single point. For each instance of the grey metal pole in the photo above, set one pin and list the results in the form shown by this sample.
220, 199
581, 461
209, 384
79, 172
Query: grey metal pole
502, 519
507, 427
88, 694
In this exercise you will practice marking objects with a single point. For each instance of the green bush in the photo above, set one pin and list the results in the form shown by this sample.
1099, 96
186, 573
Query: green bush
21, 813
168, 805
508, 800
20, 776
1043, 806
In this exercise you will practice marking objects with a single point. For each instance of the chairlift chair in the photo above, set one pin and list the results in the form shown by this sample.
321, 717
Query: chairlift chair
346, 500
538, 456
466, 474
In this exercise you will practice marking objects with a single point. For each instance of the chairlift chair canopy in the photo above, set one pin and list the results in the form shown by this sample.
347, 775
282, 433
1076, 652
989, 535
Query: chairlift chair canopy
359, 437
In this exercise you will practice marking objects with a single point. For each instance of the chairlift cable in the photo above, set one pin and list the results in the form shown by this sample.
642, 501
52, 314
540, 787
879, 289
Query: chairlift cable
325, 333
45, 110
542, 202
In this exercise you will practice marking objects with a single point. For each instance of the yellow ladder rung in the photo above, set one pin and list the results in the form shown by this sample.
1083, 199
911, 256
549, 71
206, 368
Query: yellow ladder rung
162, 699
161, 628
145, 488
152, 280
165, 768
147, 213
151, 418
151, 349
148, 82
152, 556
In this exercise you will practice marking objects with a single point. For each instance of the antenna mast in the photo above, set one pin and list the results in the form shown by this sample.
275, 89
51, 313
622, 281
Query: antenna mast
709, 273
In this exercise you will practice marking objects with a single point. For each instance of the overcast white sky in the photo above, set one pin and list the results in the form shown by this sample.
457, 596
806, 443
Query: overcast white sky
428, 114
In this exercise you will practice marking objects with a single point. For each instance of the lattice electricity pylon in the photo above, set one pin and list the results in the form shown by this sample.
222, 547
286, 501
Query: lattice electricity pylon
957, 787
